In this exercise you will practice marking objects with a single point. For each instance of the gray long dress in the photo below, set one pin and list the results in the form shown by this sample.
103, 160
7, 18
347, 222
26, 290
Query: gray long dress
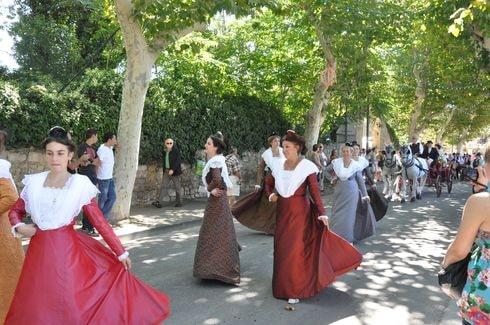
348, 218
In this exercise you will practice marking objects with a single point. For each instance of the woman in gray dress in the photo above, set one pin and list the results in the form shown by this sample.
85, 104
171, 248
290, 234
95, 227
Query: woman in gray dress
349, 192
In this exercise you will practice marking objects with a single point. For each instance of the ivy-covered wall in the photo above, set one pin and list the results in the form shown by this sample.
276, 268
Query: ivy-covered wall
188, 113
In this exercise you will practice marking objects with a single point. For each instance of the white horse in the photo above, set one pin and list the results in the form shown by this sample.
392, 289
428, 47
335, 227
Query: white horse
391, 172
414, 169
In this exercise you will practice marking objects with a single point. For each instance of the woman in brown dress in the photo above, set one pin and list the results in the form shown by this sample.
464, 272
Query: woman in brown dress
254, 210
11, 253
217, 247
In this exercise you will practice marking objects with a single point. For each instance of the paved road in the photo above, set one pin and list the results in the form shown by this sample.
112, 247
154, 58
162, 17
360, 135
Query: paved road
396, 283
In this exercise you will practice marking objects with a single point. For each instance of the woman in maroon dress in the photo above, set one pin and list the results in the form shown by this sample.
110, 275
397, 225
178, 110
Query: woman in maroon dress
307, 256
69, 277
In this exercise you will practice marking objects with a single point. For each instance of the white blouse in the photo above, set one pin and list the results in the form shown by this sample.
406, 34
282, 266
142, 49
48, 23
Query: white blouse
286, 181
269, 158
342, 172
52, 208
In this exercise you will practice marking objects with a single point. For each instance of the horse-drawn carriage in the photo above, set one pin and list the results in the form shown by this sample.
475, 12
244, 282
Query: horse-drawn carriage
441, 175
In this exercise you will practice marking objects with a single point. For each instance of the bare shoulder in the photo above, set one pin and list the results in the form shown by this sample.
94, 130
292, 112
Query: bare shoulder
480, 198
480, 201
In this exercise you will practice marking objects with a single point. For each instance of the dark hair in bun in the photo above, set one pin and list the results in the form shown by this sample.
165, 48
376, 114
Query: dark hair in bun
291, 136
219, 142
59, 135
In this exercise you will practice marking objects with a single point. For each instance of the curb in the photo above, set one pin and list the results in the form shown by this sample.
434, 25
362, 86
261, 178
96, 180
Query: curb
157, 229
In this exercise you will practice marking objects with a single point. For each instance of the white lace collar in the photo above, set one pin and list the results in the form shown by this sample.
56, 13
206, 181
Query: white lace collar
304, 169
77, 192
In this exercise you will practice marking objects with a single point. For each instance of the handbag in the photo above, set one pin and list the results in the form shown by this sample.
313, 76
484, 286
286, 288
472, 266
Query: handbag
452, 279
378, 202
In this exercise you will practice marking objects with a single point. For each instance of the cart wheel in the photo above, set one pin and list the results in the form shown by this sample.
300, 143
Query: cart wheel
438, 186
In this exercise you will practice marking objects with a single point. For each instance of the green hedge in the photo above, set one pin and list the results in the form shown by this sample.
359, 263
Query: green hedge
183, 110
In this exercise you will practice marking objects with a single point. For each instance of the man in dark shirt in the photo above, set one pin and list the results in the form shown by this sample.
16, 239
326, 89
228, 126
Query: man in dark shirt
430, 153
171, 172
416, 147
89, 169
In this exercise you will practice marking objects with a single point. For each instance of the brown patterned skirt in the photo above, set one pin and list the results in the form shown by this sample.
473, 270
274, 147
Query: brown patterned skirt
217, 247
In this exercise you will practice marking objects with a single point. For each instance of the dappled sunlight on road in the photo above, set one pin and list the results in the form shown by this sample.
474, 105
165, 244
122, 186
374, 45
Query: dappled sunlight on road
410, 244
395, 284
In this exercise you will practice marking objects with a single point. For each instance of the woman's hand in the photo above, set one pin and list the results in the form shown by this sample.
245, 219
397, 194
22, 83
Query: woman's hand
273, 198
26, 230
217, 192
366, 199
323, 219
126, 263
258, 188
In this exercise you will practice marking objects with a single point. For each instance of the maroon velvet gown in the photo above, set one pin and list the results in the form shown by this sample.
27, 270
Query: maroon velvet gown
307, 256
71, 278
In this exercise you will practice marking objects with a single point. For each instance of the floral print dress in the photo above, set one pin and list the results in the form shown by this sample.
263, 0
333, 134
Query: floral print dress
475, 299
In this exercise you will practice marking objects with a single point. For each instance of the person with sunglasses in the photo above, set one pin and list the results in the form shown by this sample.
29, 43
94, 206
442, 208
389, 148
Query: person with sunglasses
171, 173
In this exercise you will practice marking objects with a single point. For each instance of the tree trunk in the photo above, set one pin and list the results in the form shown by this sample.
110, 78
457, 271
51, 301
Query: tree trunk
136, 81
415, 126
440, 136
140, 59
315, 116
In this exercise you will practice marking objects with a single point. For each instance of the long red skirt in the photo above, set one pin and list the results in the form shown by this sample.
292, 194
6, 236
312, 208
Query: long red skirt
307, 256
70, 278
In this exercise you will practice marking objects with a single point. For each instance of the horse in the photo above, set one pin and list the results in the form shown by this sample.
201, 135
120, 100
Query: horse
414, 169
391, 173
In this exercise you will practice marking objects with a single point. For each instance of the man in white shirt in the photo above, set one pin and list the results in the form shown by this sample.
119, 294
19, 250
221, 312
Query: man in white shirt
105, 153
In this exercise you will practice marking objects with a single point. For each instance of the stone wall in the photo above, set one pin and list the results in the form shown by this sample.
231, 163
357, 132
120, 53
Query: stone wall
148, 177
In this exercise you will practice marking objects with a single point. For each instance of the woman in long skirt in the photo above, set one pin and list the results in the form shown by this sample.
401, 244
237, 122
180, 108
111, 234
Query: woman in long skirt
307, 256
349, 196
68, 277
254, 210
11, 253
217, 248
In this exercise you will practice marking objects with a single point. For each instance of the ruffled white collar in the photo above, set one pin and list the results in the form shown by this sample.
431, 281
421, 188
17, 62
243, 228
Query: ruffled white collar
269, 157
342, 172
5, 171
217, 161
363, 162
77, 192
286, 189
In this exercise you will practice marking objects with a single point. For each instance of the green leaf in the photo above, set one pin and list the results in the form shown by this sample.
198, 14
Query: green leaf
482, 286
454, 29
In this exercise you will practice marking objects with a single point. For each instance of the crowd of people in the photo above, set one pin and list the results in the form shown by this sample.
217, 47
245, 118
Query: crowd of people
311, 249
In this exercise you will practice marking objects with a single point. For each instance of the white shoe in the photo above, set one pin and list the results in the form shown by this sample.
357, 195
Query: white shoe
293, 301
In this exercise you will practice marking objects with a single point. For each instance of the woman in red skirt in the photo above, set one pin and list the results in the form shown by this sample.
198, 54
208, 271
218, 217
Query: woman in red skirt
69, 277
307, 256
